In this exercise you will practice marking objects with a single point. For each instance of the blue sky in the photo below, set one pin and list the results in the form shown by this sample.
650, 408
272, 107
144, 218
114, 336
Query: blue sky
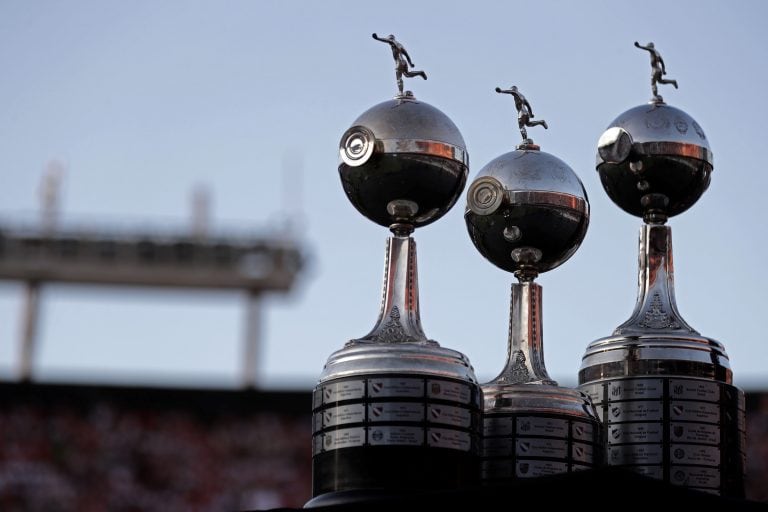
144, 100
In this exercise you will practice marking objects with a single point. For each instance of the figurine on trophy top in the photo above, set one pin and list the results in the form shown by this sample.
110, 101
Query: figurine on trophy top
403, 141
403, 63
527, 212
655, 162
524, 115
519, 198
394, 412
659, 69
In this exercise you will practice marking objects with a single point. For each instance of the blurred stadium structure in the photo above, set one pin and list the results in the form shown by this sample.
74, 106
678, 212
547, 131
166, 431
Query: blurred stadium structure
91, 448
36, 253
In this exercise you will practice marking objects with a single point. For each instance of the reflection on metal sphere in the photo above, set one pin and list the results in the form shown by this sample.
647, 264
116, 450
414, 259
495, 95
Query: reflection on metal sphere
527, 211
403, 152
654, 161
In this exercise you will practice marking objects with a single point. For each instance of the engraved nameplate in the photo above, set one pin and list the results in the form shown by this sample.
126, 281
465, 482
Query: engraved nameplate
583, 431
456, 416
353, 413
693, 454
694, 411
634, 411
445, 390
345, 390
635, 454
583, 452
687, 389
533, 468
635, 433
344, 438
537, 426
395, 387
627, 389
395, 411
535, 447
446, 438
695, 433
694, 477
409, 436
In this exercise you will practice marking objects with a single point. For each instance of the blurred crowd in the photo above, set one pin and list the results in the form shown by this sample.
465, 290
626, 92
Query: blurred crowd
118, 459
106, 455
757, 447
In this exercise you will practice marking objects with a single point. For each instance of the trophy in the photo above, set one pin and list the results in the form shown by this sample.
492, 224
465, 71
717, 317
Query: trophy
393, 411
663, 391
527, 212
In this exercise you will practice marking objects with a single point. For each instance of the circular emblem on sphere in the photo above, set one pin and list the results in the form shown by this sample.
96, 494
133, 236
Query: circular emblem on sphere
614, 145
527, 211
404, 151
651, 163
485, 195
356, 146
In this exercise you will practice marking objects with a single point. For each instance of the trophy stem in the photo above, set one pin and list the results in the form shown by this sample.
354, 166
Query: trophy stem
399, 320
525, 353
656, 309
658, 386
531, 426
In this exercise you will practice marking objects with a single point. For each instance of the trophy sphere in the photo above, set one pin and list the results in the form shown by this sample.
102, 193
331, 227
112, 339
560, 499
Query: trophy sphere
654, 161
403, 160
527, 212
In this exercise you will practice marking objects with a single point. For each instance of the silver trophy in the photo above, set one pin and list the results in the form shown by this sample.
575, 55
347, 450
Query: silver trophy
394, 411
527, 212
663, 391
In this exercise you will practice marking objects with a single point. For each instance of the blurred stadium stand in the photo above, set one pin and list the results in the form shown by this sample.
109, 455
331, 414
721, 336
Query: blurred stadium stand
100, 448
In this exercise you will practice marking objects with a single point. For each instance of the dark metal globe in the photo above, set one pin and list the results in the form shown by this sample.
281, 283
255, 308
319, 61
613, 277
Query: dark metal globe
654, 160
403, 152
527, 211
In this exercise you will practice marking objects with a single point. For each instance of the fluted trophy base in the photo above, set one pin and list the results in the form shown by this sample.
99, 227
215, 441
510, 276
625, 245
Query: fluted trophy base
532, 430
679, 420
392, 419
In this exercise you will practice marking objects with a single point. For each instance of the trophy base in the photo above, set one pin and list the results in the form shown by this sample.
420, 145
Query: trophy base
378, 472
684, 431
669, 409
532, 430
386, 433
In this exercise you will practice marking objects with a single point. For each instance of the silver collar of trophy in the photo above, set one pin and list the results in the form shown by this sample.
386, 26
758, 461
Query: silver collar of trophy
395, 413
